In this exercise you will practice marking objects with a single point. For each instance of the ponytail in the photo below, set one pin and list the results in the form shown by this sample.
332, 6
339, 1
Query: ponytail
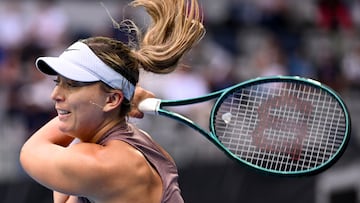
176, 26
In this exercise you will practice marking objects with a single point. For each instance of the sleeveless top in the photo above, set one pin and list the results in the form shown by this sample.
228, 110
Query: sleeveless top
163, 164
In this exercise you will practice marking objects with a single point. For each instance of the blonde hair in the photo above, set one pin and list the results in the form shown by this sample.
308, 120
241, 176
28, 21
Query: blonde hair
176, 26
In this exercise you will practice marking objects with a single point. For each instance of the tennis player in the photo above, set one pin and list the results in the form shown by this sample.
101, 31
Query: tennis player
90, 152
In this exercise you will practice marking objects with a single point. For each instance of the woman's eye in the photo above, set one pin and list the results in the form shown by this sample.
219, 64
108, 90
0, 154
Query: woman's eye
71, 84
76, 84
56, 81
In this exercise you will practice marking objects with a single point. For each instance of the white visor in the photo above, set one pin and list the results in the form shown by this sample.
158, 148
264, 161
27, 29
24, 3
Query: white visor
79, 63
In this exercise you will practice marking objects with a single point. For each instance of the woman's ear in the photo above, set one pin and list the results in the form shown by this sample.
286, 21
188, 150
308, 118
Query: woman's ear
113, 100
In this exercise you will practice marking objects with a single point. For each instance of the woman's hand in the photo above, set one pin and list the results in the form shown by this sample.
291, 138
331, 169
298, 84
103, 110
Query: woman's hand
139, 95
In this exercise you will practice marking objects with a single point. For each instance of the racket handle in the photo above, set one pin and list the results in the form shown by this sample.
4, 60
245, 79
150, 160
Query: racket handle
150, 106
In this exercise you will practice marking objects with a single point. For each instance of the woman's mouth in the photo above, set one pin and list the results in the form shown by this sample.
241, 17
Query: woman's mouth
62, 112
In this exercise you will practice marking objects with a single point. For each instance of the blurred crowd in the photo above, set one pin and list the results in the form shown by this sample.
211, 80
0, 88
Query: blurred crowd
319, 39
245, 39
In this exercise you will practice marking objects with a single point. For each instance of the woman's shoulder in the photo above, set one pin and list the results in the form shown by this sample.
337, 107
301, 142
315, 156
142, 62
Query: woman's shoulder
127, 168
125, 160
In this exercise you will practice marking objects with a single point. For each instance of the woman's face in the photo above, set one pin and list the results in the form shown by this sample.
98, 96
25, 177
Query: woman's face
80, 107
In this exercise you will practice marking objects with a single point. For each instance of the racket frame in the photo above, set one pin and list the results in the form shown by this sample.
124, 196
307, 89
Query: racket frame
296, 79
156, 106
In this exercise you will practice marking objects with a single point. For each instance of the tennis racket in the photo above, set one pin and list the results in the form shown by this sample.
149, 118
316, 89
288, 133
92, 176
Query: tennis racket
281, 125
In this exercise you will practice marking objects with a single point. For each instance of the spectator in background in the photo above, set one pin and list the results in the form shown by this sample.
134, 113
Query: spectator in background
215, 64
350, 66
33, 99
12, 27
11, 78
48, 27
355, 13
334, 15
299, 64
269, 59
329, 71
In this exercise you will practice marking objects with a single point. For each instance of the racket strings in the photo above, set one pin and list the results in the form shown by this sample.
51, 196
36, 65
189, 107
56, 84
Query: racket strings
281, 126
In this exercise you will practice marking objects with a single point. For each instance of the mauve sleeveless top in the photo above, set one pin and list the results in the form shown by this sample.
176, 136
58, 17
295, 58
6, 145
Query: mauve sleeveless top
165, 167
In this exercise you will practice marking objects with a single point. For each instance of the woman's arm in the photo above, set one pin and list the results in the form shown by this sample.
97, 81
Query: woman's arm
74, 169
49, 133
60, 197
63, 198
40, 149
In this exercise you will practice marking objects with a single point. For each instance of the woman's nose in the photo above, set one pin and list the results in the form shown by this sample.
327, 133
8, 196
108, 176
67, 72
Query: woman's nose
57, 94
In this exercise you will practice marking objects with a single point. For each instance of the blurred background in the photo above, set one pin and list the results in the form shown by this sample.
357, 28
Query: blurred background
318, 39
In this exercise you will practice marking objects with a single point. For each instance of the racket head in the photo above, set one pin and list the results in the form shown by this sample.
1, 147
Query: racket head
282, 125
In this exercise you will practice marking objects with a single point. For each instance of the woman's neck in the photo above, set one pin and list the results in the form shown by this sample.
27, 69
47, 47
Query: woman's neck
105, 129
